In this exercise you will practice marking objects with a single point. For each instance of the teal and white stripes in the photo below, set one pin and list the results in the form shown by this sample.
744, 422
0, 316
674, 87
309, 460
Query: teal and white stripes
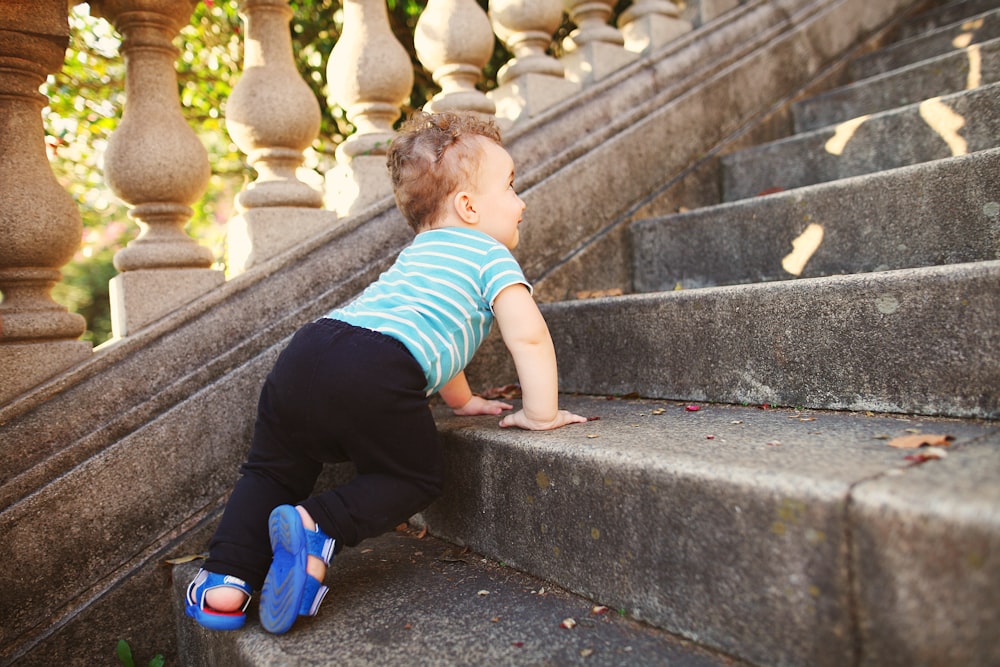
437, 298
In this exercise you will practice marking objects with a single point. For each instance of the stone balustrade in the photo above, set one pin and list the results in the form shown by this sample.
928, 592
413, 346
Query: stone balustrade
156, 164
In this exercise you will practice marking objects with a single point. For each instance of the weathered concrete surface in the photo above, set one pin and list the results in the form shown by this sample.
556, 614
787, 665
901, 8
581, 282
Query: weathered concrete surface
873, 145
914, 340
748, 530
970, 29
960, 70
941, 212
399, 600
926, 547
948, 13
182, 414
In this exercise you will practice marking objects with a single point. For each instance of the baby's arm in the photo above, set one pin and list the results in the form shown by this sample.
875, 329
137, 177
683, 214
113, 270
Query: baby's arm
527, 337
459, 397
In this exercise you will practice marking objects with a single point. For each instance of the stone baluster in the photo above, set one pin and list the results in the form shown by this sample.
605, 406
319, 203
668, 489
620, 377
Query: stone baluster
40, 226
272, 116
532, 80
454, 41
595, 48
369, 74
649, 24
156, 164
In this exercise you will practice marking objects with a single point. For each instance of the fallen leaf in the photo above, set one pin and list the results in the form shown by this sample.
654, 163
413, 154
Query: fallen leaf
710, 437
774, 443
599, 609
506, 391
568, 623
770, 191
408, 626
693, 408
402, 528
422, 533
185, 559
598, 293
483, 593
592, 419
517, 644
586, 652
495, 619
593, 435
659, 411
921, 440
449, 556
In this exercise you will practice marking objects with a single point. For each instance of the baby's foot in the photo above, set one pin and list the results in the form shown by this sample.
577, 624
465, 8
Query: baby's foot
218, 601
225, 598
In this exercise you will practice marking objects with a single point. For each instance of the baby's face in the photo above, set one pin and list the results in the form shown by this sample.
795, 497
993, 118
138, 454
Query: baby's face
496, 201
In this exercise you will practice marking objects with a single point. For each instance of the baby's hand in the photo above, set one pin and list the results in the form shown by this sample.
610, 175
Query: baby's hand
477, 405
521, 420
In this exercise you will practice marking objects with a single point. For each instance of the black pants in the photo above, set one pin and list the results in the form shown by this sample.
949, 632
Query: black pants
336, 393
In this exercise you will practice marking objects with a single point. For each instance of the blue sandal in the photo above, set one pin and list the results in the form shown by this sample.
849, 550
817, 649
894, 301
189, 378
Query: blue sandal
289, 591
206, 616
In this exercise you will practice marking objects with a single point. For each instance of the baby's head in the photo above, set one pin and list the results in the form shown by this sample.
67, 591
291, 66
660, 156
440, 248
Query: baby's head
432, 156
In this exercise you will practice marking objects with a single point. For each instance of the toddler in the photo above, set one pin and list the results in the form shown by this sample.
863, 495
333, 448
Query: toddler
354, 385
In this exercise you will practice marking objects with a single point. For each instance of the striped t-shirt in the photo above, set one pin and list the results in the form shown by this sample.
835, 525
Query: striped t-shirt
437, 298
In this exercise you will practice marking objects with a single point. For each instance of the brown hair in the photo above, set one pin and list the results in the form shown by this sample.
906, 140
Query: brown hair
432, 156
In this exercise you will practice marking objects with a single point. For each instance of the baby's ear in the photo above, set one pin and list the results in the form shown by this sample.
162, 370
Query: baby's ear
465, 207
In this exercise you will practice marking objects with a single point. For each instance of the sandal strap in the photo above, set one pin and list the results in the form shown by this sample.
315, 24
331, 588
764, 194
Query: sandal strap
312, 597
320, 545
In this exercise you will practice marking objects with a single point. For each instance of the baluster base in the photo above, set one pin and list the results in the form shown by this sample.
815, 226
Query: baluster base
27, 365
352, 187
594, 61
139, 298
529, 95
257, 235
650, 32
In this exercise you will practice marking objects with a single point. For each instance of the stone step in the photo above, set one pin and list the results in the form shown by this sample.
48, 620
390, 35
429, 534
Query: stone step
938, 212
944, 15
968, 30
921, 340
782, 537
938, 128
400, 600
962, 69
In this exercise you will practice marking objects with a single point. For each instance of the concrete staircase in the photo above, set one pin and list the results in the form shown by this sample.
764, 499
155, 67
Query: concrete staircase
736, 496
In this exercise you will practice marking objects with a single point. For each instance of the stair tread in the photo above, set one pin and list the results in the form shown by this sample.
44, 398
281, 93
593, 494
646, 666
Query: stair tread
870, 145
744, 539
939, 75
944, 15
910, 340
897, 225
399, 599
972, 29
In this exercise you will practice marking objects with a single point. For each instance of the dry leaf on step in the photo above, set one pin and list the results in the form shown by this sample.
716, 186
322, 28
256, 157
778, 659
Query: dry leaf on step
921, 440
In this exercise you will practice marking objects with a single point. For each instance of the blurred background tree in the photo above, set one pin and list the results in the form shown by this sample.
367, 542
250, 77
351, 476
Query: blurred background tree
85, 104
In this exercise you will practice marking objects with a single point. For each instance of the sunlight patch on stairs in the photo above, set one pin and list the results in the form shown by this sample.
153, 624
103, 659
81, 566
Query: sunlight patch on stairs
803, 248
975, 67
946, 122
836, 144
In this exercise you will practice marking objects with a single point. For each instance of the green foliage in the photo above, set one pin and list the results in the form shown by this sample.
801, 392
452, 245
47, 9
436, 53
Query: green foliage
87, 96
124, 653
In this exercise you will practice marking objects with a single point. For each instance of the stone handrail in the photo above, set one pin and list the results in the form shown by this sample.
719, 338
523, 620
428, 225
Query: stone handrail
156, 164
